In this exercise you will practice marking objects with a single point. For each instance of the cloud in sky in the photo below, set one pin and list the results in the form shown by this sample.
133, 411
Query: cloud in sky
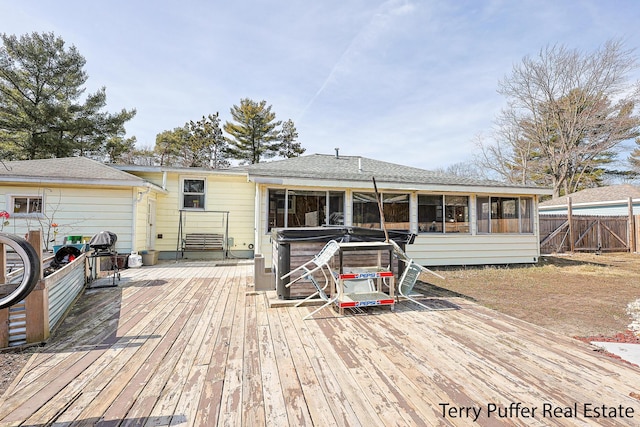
407, 81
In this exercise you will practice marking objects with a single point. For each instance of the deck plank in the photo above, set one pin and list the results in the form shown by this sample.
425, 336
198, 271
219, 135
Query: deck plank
297, 411
274, 401
393, 398
191, 337
115, 399
210, 403
88, 385
174, 317
192, 343
334, 402
231, 412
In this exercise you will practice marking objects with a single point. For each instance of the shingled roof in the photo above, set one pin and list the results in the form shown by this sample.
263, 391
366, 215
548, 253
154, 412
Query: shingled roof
611, 193
359, 169
66, 170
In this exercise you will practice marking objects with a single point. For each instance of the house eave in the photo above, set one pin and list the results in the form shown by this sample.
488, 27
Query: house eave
82, 182
160, 169
591, 204
399, 186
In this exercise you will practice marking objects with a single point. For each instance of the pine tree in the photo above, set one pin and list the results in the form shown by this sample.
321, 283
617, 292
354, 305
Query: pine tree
288, 136
207, 142
254, 133
41, 83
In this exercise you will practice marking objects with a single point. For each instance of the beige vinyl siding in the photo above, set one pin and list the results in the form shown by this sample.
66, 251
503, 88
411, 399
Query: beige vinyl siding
223, 193
466, 249
78, 211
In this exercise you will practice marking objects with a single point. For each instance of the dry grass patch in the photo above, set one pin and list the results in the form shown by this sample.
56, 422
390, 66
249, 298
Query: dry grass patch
576, 295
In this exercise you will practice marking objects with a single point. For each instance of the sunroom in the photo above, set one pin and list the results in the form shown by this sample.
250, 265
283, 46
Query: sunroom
456, 221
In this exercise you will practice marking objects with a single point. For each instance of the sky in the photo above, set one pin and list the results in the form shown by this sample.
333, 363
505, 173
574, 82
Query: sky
412, 82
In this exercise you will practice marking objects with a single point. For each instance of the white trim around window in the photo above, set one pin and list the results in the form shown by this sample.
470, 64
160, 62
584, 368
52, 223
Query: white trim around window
193, 190
25, 205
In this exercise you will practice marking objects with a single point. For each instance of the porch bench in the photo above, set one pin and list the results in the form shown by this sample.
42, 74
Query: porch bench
203, 242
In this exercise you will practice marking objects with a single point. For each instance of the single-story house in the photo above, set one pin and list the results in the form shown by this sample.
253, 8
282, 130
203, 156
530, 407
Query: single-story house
610, 200
457, 221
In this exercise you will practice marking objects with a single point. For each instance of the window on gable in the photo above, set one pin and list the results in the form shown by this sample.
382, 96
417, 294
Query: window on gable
24, 206
193, 193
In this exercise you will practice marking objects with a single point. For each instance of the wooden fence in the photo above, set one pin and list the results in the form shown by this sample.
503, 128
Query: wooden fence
569, 233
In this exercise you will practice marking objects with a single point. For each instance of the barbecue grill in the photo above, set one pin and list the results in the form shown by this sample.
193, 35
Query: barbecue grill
103, 242
103, 245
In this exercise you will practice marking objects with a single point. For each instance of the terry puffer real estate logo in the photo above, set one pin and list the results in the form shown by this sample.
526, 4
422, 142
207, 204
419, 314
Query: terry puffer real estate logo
518, 410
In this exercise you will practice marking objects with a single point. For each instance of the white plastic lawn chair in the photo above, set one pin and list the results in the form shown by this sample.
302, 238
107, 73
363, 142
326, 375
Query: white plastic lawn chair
402, 256
320, 292
320, 260
408, 281
410, 275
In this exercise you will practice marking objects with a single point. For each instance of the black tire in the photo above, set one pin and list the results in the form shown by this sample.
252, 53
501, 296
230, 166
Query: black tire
31, 264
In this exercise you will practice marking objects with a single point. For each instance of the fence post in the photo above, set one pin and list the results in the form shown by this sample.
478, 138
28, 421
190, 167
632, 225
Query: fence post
632, 228
636, 220
37, 302
572, 240
4, 313
3, 263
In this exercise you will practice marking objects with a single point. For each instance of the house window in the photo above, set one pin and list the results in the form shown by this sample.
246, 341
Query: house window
504, 215
526, 215
367, 214
193, 191
297, 208
456, 210
25, 206
443, 214
430, 217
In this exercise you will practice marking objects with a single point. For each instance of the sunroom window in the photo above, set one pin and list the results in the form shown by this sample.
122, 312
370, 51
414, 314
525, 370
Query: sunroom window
305, 208
505, 215
442, 213
367, 214
430, 218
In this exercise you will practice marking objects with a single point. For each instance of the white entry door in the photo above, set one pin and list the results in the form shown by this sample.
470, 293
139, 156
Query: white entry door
151, 228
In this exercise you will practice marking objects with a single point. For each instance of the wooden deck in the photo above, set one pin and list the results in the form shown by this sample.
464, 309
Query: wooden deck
193, 344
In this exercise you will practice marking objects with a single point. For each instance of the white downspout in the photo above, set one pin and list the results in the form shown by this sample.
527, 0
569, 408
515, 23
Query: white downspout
134, 217
257, 236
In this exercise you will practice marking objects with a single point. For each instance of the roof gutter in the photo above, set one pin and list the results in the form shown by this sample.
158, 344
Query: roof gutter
182, 170
102, 183
591, 204
400, 186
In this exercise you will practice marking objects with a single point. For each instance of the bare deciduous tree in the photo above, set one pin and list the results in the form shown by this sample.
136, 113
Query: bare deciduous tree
566, 116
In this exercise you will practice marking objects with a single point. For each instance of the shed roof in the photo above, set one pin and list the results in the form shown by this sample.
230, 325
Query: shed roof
611, 193
362, 169
69, 170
